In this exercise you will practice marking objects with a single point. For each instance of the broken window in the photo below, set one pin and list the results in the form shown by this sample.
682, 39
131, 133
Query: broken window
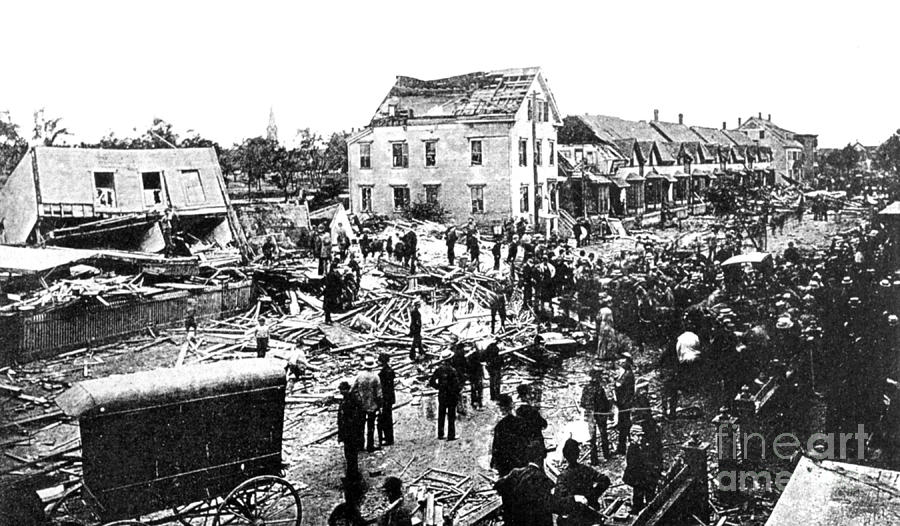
431, 194
152, 188
523, 152
400, 155
365, 155
523, 198
105, 184
365, 198
538, 152
401, 198
192, 187
477, 199
430, 153
476, 153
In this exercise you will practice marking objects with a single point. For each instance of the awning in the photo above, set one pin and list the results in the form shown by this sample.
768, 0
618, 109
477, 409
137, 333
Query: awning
599, 179
28, 260
633, 177
681, 174
753, 257
618, 181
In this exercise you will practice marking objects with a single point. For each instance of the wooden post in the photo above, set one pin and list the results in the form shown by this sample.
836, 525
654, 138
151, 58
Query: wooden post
697, 496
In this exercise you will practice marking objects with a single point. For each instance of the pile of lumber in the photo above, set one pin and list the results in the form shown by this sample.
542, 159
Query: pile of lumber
444, 495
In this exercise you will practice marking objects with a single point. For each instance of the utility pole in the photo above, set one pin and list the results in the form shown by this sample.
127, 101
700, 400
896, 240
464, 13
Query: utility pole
537, 211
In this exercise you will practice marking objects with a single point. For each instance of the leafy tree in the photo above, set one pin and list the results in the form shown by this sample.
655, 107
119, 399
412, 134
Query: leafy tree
842, 161
336, 153
255, 157
425, 211
887, 156
285, 165
48, 130
747, 204
12, 145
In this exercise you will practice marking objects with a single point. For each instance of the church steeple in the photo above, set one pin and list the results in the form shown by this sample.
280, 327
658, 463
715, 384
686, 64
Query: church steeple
272, 128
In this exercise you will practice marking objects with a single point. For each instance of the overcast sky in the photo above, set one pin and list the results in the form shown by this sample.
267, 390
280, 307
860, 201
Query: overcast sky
217, 67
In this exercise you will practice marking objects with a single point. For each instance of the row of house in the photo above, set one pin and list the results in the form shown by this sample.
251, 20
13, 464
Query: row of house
493, 145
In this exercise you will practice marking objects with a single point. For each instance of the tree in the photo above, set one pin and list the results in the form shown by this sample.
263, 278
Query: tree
47, 131
285, 164
255, 156
12, 145
336, 153
747, 204
887, 156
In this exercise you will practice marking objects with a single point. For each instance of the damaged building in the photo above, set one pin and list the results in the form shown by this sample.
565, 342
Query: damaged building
170, 201
482, 145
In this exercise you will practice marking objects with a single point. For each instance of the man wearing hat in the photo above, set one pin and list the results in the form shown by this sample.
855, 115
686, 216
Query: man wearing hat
597, 410
386, 377
349, 418
577, 479
450, 239
324, 247
332, 288
534, 424
415, 330
528, 498
507, 446
494, 364
640, 471
624, 400
397, 513
367, 386
364, 243
447, 382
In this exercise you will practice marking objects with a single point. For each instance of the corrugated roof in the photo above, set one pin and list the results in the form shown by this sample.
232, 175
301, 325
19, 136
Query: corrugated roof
499, 92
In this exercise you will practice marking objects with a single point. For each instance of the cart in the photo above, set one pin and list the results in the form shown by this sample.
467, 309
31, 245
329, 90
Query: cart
195, 445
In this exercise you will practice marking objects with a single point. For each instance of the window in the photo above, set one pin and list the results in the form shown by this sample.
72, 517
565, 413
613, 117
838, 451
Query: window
400, 155
476, 153
392, 110
477, 199
552, 152
365, 155
762, 134
539, 197
546, 111
590, 157
152, 188
401, 198
192, 187
579, 155
523, 198
523, 152
365, 198
538, 153
431, 193
105, 184
430, 153
552, 196
530, 110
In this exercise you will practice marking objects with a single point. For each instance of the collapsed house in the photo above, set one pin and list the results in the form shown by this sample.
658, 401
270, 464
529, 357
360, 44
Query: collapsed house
169, 201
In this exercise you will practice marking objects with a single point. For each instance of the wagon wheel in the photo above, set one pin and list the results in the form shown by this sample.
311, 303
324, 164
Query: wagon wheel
196, 514
261, 501
72, 509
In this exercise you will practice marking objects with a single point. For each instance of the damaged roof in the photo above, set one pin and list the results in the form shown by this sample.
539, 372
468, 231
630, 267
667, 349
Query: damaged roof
491, 93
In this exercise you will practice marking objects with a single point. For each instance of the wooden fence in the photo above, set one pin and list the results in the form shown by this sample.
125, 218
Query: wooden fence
28, 336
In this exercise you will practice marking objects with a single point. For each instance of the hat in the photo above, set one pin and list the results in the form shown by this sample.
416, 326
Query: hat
321, 228
884, 283
446, 354
892, 319
505, 401
368, 362
846, 281
854, 301
637, 430
384, 357
392, 485
571, 449
784, 322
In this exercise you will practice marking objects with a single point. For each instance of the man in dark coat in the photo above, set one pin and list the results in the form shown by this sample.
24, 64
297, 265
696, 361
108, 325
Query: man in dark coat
511, 257
624, 400
388, 398
578, 479
446, 380
331, 294
528, 498
474, 248
349, 419
527, 282
475, 375
597, 410
497, 252
534, 423
364, 244
415, 331
498, 307
494, 364
506, 448
450, 239
641, 472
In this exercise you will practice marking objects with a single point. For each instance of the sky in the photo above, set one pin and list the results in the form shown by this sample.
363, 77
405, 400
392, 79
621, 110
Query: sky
216, 68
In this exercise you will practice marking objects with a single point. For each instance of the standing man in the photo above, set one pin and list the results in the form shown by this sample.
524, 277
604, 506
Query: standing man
597, 410
415, 330
640, 471
494, 364
511, 257
364, 244
331, 292
506, 448
577, 479
368, 387
451, 244
324, 250
446, 380
476, 379
262, 338
533, 423
474, 248
348, 419
190, 320
388, 398
498, 307
624, 400
497, 251
527, 282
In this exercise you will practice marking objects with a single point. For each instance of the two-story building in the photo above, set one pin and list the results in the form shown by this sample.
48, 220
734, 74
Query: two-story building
794, 154
124, 199
481, 145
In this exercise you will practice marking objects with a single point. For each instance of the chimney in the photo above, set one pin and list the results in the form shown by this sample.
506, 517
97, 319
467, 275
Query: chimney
655, 115
723, 125
760, 115
770, 118
739, 122
681, 118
